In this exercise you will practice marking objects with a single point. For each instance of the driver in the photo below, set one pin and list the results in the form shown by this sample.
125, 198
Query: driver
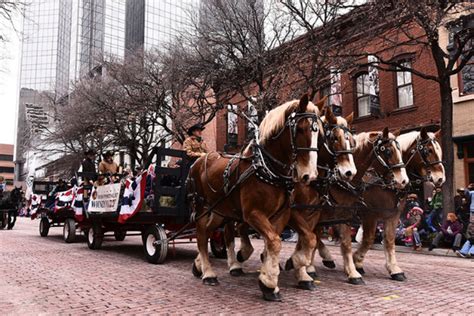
194, 145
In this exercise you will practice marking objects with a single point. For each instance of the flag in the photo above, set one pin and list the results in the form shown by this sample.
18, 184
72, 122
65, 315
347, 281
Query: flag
133, 197
78, 204
63, 199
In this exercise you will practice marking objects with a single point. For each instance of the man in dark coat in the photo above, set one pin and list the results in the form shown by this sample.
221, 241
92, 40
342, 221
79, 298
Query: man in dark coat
88, 166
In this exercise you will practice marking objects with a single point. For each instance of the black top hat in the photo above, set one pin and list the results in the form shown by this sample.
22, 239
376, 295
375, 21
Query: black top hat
195, 127
108, 154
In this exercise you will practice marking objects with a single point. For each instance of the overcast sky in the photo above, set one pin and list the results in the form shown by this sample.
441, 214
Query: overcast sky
9, 66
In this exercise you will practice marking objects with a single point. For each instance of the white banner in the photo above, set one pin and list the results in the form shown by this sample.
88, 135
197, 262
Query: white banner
104, 199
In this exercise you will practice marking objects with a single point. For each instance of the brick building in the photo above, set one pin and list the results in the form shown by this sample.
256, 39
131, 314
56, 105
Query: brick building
6, 164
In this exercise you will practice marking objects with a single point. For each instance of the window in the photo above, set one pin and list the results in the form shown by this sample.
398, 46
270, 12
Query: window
404, 87
363, 95
7, 170
253, 116
6, 157
469, 162
232, 125
467, 78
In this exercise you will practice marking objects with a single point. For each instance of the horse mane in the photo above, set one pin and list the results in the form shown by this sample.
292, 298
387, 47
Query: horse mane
407, 139
362, 139
275, 120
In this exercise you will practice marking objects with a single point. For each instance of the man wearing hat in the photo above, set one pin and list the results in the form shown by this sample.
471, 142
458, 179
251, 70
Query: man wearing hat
194, 145
108, 165
88, 166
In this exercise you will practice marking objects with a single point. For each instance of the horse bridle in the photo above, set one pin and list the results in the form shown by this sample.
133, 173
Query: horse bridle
292, 124
381, 148
329, 139
422, 149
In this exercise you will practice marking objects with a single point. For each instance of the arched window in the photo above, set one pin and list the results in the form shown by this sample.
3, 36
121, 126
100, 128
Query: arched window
363, 94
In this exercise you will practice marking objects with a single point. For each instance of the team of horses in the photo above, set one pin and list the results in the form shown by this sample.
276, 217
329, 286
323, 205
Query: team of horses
306, 168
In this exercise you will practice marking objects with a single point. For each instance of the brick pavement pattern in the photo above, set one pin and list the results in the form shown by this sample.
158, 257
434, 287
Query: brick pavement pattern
47, 276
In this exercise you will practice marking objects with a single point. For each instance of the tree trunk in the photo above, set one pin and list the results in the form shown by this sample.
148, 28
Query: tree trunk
447, 143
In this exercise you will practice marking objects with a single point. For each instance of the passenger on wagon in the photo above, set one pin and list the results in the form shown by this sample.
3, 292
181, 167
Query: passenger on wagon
88, 166
194, 145
108, 165
467, 249
450, 233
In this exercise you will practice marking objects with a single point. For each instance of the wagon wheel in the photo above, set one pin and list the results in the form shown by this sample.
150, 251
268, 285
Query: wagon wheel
218, 247
44, 227
69, 230
155, 253
120, 235
95, 236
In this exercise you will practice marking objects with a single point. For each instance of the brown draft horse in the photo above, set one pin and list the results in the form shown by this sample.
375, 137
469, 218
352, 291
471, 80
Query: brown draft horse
285, 153
337, 143
423, 156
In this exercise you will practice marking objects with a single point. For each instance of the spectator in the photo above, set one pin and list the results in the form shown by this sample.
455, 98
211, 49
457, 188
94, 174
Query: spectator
413, 226
107, 165
88, 166
469, 193
412, 201
450, 233
436, 210
467, 249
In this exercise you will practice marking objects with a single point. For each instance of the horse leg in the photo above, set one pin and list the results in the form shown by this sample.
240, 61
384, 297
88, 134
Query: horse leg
369, 224
11, 219
328, 260
235, 267
202, 266
246, 248
389, 246
346, 250
302, 256
270, 270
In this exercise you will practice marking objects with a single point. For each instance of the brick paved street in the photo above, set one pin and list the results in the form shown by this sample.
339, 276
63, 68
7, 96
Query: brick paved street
46, 276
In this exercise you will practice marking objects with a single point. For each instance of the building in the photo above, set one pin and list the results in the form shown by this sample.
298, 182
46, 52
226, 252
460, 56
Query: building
44, 68
155, 24
6, 164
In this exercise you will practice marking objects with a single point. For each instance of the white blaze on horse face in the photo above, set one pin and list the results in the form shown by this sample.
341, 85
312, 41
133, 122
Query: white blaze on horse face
400, 176
347, 169
438, 174
309, 172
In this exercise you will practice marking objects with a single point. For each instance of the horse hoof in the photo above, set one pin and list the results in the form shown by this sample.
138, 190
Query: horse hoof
210, 281
361, 270
240, 258
329, 264
356, 281
262, 257
306, 285
289, 265
313, 275
268, 293
236, 272
196, 272
398, 276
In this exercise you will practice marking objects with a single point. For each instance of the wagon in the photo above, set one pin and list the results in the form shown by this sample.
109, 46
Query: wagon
52, 211
164, 223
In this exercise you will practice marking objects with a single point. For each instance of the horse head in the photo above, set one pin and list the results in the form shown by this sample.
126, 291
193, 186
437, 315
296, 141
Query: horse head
389, 159
290, 133
340, 143
423, 155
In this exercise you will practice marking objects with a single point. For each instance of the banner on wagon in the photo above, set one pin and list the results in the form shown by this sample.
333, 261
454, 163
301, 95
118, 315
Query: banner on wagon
104, 199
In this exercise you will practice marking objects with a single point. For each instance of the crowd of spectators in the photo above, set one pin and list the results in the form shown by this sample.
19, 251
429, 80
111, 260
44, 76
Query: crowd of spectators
424, 222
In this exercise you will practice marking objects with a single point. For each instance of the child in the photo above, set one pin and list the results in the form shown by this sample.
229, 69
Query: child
412, 227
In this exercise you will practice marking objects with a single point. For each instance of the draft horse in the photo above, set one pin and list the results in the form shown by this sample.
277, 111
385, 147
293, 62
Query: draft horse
234, 188
9, 204
423, 160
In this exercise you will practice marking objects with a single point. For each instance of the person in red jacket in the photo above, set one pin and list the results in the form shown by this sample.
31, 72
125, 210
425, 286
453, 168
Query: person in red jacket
451, 232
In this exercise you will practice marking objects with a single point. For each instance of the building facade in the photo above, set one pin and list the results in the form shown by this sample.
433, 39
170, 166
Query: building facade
7, 165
